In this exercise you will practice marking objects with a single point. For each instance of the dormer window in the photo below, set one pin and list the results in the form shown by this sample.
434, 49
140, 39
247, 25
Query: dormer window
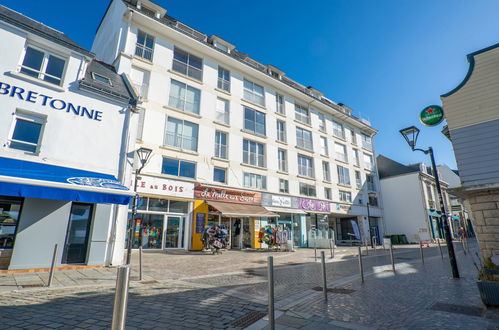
43, 65
221, 47
102, 79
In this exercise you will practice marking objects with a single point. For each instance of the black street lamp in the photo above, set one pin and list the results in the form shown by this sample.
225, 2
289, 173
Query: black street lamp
410, 134
369, 195
143, 155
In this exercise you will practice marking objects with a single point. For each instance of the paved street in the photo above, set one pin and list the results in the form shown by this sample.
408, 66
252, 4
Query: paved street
205, 291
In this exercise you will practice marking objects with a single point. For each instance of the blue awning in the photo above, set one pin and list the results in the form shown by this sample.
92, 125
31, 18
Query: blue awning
434, 213
454, 217
29, 179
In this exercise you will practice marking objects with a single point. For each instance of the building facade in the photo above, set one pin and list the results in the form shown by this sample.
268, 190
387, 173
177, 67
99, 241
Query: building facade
473, 122
235, 142
411, 204
64, 133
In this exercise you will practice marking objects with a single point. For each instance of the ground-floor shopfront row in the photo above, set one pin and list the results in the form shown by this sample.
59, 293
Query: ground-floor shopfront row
174, 214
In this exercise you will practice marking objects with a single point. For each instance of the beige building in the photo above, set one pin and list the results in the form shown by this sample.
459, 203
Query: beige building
471, 110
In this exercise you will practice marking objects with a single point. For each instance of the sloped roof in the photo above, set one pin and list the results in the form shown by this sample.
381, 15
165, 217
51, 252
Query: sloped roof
21, 21
388, 167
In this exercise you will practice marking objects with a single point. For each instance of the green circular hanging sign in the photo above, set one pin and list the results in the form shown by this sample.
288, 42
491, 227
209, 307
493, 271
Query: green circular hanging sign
432, 115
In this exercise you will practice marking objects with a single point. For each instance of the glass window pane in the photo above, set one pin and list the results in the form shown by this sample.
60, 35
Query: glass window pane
32, 59
157, 204
55, 67
196, 62
180, 55
192, 98
170, 166
187, 169
249, 120
26, 131
219, 175
179, 207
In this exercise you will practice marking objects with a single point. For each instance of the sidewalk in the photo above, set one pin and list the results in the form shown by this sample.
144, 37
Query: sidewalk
417, 297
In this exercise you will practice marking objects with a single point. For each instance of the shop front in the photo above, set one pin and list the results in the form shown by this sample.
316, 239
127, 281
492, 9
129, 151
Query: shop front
347, 228
316, 222
163, 213
43, 205
239, 212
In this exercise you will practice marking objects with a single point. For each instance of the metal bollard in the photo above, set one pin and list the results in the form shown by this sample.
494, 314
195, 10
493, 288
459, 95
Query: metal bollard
391, 256
367, 250
374, 244
331, 248
464, 247
121, 298
52, 265
361, 269
270, 269
315, 247
440, 248
421, 251
324, 278
140, 263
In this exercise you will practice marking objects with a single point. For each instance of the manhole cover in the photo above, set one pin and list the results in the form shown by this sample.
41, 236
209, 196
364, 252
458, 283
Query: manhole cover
149, 282
458, 309
335, 290
248, 319
32, 285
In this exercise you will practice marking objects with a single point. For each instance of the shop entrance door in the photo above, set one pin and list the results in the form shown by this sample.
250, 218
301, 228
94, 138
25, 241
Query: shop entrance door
76, 246
174, 232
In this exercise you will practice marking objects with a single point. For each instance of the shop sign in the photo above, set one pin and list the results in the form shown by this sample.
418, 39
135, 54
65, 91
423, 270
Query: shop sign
226, 195
432, 115
200, 222
314, 205
165, 187
342, 207
281, 201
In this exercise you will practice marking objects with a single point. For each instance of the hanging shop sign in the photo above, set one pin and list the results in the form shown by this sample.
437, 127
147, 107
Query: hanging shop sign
226, 195
432, 115
165, 187
314, 205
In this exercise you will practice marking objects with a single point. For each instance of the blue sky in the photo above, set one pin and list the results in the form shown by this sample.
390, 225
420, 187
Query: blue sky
385, 59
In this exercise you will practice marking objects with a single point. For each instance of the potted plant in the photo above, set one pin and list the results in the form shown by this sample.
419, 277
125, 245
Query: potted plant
488, 283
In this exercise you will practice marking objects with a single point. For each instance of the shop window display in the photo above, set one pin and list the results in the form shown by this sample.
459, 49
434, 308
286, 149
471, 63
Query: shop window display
148, 231
10, 210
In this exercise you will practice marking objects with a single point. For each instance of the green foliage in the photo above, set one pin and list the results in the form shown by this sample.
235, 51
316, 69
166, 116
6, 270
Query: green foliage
489, 264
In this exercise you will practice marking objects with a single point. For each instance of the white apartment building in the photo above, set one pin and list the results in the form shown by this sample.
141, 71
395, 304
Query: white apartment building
64, 130
411, 204
234, 141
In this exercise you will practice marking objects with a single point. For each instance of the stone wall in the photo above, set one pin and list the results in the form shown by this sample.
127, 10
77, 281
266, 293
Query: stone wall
485, 219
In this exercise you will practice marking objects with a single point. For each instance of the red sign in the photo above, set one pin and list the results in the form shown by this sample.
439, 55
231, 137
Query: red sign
225, 195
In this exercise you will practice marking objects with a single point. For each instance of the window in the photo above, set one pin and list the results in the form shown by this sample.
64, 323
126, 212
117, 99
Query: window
42, 65
343, 175
368, 162
356, 157
324, 148
305, 166
284, 186
307, 190
11, 210
283, 161
253, 153
178, 167
254, 121
370, 182
187, 64
345, 196
26, 134
338, 130
222, 114
366, 142
304, 139
144, 46
302, 114
281, 131
322, 122
326, 171
327, 193
219, 175
140, 80
221, 144
223, 79
253, 92
354, 136
181, 134
101, 78
279, 101
184, 97
358, 180
341, 152
256, 181
373, 200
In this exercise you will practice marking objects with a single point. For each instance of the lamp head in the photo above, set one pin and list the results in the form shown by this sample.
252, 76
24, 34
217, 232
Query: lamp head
144, 154
410, 134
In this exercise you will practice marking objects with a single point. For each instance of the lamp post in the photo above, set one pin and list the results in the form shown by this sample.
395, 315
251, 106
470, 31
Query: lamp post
369, 217
143, 155
410, 134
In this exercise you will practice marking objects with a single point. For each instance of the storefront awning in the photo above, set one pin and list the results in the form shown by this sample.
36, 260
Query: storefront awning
29, 179
284, 210
433, 213
241, 210
454, 217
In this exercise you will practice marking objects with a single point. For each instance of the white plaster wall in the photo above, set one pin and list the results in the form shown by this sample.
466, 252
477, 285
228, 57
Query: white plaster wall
404, 210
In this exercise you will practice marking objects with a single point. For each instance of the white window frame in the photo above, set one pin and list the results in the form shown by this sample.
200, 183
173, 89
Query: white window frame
280, 104
255, 181
322, 122
302, 114
282, 161
43, 68
281, 134
188, 67
326, 171
304, 143
338, 130
181, 134
144, 49
254, 158
324, 146
30, 117
343, 175
328, 194
251, 95
306, 166
341, 152
285, 189
358, 179
345, 196
223, 83
184, 100
309, 188
222, 117
225, 175
220, 148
